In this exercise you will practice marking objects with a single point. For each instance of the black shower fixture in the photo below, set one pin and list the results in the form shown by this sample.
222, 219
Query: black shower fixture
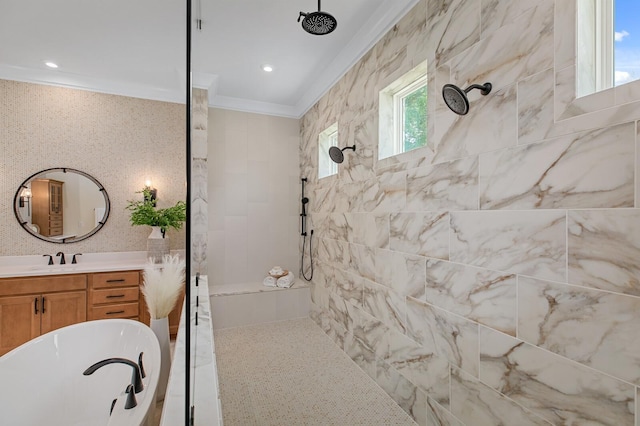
337, 155
318, 23
456, 98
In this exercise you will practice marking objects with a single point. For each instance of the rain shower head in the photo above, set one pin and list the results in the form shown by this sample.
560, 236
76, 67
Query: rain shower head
456, 98
337, 155
318, 23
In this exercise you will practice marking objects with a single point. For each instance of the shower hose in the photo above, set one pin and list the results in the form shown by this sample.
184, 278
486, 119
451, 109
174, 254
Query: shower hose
304, 239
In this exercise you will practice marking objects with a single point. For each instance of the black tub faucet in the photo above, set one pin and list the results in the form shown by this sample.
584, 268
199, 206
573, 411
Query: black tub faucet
62, 262
136, 377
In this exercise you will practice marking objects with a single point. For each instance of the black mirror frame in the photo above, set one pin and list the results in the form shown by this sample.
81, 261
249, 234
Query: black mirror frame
23, 223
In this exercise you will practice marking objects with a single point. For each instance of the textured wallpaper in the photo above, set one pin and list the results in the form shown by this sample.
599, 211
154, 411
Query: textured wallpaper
118, 140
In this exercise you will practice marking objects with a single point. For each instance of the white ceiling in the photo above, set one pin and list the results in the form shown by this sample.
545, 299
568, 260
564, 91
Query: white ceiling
137, 47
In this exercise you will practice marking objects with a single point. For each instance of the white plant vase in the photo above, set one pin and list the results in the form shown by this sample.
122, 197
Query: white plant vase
157, 245
161, 329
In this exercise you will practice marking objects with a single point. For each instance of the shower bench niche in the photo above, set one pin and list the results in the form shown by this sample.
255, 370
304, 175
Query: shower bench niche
236, 305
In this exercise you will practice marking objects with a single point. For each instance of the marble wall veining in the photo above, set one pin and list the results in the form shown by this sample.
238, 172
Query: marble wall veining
199, 180
490, 278
118, 140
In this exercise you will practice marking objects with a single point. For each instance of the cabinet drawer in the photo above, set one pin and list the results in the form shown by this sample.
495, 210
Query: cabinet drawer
44, 284
114, 295
121, 310
55, 224
115, 279
55, 231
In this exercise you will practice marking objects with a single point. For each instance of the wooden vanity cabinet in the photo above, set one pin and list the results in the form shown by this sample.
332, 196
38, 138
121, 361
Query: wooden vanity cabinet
32, 306
47, 210
114, 295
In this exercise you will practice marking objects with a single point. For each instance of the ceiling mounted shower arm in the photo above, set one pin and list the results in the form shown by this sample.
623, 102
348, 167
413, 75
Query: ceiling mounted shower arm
318, 22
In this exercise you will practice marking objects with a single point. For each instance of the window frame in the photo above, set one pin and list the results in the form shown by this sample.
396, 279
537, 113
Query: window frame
390, 139
399, 115
596, 46
326, 139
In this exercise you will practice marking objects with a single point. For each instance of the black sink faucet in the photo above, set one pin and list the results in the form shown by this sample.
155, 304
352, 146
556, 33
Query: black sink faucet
62, 262
136, 377
50, 258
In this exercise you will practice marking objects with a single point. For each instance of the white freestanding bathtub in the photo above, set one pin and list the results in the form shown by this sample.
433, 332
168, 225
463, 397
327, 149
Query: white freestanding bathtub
41, 382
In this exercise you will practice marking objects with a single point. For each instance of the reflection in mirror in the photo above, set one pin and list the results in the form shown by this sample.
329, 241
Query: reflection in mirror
61, 205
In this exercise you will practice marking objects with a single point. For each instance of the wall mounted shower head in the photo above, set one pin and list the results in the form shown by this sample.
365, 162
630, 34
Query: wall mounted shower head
337, 155
456, 98
318, 23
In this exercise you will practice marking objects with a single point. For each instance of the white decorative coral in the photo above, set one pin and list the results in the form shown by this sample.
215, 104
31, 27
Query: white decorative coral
162, 285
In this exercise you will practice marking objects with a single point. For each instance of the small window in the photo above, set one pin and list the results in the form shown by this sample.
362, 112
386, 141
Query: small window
403, 114
327, 139
410, 116
608, 44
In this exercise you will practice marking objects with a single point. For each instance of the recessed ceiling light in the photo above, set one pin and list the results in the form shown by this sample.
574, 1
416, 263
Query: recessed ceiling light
267, 68
51, 64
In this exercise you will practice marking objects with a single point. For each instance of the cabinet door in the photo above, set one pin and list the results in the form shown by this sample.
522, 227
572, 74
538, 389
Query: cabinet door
19, 321
62, 309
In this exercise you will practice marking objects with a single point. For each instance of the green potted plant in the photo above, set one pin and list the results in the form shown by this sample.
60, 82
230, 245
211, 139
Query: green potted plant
144, 212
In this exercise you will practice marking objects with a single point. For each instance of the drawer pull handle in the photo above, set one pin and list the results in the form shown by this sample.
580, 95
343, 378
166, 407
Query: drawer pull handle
115, 312
121, 280
114, 296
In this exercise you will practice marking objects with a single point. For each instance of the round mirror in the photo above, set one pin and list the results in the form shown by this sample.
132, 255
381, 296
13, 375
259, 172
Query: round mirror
61, 205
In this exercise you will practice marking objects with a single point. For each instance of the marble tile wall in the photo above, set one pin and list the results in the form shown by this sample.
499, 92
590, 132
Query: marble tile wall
199, 173
492, 277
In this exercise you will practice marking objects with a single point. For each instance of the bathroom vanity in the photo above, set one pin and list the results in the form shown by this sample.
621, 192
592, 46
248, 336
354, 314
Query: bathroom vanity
34, 301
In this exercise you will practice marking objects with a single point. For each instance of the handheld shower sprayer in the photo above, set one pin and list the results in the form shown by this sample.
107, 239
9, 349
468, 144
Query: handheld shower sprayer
303, 225
303, 215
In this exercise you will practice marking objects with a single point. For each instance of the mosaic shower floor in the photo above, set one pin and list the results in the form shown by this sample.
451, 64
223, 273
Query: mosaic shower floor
291, 373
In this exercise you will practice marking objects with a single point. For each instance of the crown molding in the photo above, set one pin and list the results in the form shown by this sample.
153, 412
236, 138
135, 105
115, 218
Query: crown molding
257, 107
92, 84
382, 20
374, 29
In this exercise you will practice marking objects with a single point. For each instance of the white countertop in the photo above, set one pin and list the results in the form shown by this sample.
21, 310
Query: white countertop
36, 265
203, 376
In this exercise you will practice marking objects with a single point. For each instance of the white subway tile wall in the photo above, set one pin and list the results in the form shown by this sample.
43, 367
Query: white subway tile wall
253, 196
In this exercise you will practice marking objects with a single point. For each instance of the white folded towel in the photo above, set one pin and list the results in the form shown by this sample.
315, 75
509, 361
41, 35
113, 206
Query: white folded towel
286, 281
269, 282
